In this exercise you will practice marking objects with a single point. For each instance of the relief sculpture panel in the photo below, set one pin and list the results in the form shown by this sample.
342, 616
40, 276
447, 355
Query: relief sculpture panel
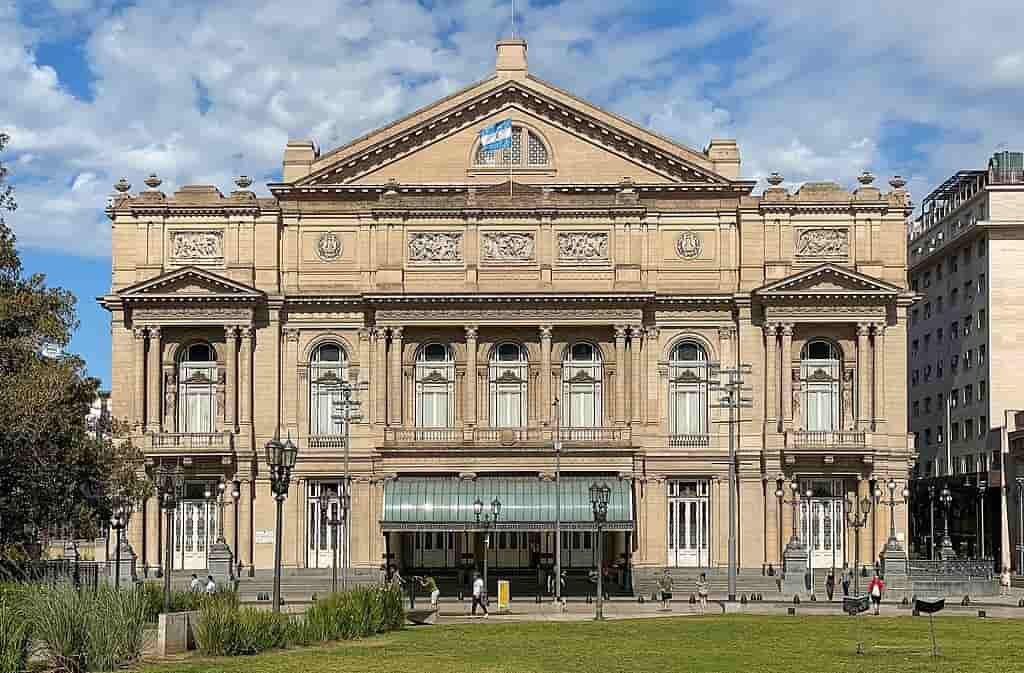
197, 246
435, 246
583, 246
823, 243
508, 246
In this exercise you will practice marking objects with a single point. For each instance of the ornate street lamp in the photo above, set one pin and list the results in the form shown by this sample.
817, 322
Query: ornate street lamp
236, 494
486, 523
857, 517
599, 496
982, 490
281, 461
557, 446
119, 521
172, 491
946, 500
931, 521
794, 539
346, 412
892, 503
1020, 525
332, 510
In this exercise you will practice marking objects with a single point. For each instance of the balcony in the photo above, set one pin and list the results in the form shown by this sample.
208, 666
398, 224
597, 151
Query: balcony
173, 443
826, 439
496, 438
326, 442
689, 441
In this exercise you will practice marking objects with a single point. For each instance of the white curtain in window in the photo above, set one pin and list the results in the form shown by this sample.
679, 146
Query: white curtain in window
821, 381
197, 399
325, 394
435, 393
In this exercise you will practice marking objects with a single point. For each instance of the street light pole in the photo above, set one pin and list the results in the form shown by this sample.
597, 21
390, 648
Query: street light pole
857, 519
558, 501
487, 523
982, 489
347, 411
946, 499
1020, 523
733, 388
892, 503
599, 496
118, 520
236, 493
281, 461
931, 521
172, 486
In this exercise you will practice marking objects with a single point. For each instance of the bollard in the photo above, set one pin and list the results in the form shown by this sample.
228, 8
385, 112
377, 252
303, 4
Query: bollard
538, 599
981, 613
640, 599
693, 599
743, 599
905, 602
1020, 603
590, 598
796, 599
814, 598
966, 602
791, 611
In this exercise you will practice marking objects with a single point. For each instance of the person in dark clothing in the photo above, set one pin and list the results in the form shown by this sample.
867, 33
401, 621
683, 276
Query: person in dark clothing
846, 584
830, 584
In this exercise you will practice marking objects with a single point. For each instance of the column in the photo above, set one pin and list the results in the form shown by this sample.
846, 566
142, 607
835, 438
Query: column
771, 388
635, 403
395, 378
879, 376
363, 374
378, 380
245, 377
787, 375
243, 522
545, 411
150, 553
653, 349
290, 381
620, 375
471, 336
230, 417
863, 362
153, 397
139, 394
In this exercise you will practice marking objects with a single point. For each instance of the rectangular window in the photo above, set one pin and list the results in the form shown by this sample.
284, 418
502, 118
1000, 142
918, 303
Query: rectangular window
939, 335
968, 394
981, 248
982, 426
954, 297
940, 433
954, 431
982, 318
915, 346
968, 322
938, 304
928, 437
981, 283
954, 397
982, 349
954, 330
969, 428
967, 358
969, 290
982, 389
927, 310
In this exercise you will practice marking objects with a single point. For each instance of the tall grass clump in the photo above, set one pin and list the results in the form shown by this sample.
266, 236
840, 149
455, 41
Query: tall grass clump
224, 629
84, 630
14, 639
181, 601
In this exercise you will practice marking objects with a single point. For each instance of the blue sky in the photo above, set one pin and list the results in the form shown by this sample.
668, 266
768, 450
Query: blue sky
199, 92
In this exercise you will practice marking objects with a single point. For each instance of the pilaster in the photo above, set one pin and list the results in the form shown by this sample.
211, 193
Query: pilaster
394, 392
620, 375
153, 416
863, 389
544, 394
636, 403
471, 376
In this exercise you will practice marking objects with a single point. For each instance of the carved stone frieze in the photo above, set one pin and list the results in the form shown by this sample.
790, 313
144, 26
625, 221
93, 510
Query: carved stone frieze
197, 246
508, 246
192, 314
825, 311
823, 243
508, 316
583, 246
435, 246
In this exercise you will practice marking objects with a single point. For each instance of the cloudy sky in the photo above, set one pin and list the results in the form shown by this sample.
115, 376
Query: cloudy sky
202, 91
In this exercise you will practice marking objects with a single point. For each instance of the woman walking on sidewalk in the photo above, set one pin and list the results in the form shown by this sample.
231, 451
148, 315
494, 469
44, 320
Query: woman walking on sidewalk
1005, 582
875, 589
702, 593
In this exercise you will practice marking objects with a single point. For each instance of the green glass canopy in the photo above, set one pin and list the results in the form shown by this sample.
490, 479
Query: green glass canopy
527, 503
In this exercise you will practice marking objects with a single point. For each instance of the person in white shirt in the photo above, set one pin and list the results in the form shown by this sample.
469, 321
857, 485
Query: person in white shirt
211, 586
196, 585
1005, 582
479, 595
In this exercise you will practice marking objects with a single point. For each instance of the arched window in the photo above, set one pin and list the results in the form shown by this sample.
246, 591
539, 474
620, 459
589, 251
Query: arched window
197, 389
435, 387
507, 377
688, 389
582, 373
536, 155
328, 368
821, 370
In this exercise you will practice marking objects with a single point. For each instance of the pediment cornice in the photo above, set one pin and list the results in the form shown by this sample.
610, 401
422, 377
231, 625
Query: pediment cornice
830, 280
190, 284
528, 96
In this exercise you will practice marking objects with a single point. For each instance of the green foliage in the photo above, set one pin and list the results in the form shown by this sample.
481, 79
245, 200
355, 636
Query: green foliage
83, 630
181, 601
224, 629
56, 473
14, 639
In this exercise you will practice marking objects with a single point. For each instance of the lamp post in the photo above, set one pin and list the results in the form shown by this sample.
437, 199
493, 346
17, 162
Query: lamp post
557, 445
892, 503
236, 494
347, 411
732, 399
780, 493
118, 521
857, 517
894, 557
599, 496
982, 489
946, 500
1020, 525
486, 523
931, 521
281, 461
172, 488
332, 510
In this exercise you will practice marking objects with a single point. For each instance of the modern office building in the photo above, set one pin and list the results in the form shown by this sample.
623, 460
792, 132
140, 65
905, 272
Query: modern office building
966, 263
579, 289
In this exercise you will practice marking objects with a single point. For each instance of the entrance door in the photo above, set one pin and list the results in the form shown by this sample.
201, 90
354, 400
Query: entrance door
689, 524
579, 549
319, 552
195, 529
433, 549
822, 523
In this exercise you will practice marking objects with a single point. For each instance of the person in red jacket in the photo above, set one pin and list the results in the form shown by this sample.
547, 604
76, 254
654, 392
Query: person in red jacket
875, 589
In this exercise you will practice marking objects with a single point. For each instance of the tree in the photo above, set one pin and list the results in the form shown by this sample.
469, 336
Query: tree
56, 473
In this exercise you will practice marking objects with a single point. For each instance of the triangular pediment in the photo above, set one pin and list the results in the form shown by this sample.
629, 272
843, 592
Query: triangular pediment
829, 279
190, 283
435, 145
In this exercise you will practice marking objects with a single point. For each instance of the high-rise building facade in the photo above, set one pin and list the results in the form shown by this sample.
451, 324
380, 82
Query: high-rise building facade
580, 289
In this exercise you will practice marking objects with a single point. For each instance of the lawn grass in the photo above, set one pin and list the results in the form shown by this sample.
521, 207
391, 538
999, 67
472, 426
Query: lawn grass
751, 644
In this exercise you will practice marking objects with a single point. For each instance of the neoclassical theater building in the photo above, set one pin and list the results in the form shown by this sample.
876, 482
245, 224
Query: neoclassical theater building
579, 289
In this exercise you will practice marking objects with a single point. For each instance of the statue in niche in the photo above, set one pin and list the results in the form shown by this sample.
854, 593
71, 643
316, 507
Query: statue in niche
847, 408
170, 387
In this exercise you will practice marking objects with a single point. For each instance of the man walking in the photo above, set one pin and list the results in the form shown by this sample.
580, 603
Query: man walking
196, 585
211, 586
479, 595
875, 589
430, 584
830, 584
665, 589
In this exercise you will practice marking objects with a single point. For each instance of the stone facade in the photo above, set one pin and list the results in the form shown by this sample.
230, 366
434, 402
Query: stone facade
411, 236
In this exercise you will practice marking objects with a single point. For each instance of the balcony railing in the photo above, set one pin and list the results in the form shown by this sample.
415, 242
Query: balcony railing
689, 441
622, 434
326, 442
191, 441
813, 439
498, 437
507, 436
424, 435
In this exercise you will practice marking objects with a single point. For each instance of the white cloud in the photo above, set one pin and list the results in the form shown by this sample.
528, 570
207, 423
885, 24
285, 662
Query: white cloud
809, 89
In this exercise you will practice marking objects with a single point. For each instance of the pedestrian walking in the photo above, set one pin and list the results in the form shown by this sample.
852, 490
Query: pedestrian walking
665, 589
876, 588
211, 586
196, 585
479, 595
430, 584
830, 584
702, 593
846, 584
1005, 581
